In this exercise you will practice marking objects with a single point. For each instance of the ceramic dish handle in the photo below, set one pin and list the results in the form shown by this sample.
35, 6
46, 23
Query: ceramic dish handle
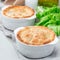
1, 28
7, 33
13, 38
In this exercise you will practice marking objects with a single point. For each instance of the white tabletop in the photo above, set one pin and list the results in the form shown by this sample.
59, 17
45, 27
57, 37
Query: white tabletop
7, 51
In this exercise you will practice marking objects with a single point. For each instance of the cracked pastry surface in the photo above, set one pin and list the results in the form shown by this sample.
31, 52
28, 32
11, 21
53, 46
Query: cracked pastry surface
18, 12
36, 35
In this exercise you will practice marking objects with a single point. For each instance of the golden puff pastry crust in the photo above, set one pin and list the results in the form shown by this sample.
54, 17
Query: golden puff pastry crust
18, 12
36, 35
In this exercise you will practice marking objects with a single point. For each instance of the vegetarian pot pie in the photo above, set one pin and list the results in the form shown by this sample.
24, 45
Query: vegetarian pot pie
36, 35
18, 12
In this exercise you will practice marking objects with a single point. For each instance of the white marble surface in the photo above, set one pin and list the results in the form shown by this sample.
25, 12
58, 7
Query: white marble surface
7, 51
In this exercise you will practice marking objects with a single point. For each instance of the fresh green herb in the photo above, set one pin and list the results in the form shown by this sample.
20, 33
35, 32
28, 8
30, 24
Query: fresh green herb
50, 18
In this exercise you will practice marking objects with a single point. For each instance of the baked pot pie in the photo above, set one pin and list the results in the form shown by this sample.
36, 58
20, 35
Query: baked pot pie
36, 35
19, 12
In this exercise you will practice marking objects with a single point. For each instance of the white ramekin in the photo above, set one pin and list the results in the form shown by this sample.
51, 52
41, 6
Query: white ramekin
34, 51
13, 23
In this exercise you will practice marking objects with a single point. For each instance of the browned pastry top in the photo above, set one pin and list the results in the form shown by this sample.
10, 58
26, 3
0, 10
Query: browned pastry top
36, 35
18, 12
